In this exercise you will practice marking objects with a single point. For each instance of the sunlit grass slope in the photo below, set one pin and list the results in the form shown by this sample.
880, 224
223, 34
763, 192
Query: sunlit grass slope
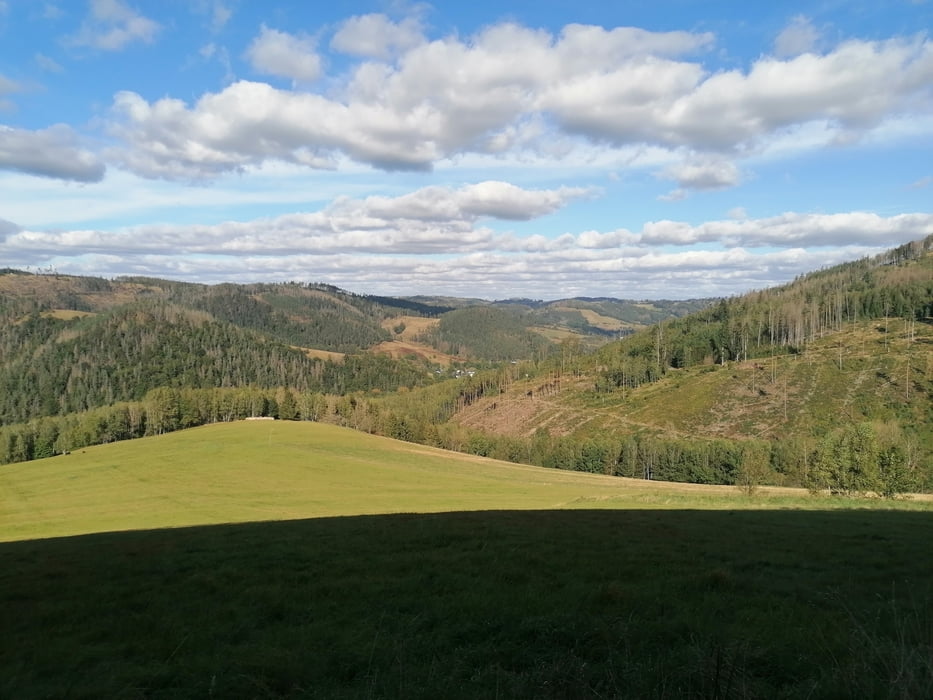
254, 471
263, 470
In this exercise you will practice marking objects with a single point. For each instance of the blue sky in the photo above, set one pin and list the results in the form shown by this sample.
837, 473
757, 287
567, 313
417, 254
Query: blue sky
549, 149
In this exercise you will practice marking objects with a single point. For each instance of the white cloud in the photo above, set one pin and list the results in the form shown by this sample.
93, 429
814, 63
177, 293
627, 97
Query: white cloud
7, 85
430, 220
377, 36
674, 195
795, 229
800, 36
284, 55
52, 152
437, 238
48, 64
515, 92
52, 11
220, 15
112, 25
704, 174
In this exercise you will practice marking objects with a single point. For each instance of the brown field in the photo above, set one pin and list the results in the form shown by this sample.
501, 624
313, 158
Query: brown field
597, 320
414, 326
401, 348
607, 323
315, 354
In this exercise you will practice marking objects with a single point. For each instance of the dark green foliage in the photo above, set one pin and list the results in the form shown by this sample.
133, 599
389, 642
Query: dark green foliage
409, 306
851, 461
54, 367
487, 333
537, 604
294, 315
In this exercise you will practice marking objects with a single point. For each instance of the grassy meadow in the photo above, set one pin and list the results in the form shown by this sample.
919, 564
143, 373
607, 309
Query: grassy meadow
266, 560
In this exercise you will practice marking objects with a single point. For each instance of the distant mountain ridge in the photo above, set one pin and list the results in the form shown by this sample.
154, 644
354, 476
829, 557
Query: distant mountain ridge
70, 343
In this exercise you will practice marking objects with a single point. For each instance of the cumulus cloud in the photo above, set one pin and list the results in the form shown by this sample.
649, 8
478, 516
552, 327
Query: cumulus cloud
800, 36
284, 55
511, 89
112, 25
377, 36
53, 152
704, 174
430, 220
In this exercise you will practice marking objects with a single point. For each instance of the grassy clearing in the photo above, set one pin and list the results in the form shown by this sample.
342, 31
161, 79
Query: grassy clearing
556, 585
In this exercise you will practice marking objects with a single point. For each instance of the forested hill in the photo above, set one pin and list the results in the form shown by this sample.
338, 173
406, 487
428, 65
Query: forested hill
74, 343
53, 365
304, 315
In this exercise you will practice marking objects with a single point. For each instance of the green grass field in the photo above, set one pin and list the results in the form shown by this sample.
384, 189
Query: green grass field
264, 560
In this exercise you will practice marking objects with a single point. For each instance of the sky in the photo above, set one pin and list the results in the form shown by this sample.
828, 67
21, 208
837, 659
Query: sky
647, 149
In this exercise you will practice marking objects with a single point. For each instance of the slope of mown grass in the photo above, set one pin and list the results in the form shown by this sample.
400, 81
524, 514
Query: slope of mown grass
264, 470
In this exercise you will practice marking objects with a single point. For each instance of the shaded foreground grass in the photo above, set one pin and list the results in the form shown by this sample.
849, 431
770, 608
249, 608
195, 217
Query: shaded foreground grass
552, 604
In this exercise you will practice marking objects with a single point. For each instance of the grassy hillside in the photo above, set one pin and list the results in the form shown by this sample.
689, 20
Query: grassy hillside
664, 591
273, 470
262, 470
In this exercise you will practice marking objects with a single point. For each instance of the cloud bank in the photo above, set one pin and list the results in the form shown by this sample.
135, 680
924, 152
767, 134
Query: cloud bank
436, 238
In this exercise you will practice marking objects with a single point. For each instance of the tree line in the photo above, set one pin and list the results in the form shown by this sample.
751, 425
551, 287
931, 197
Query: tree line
853, 459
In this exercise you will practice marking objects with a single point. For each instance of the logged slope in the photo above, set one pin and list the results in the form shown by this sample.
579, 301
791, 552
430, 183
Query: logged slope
867, 372
848, 348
